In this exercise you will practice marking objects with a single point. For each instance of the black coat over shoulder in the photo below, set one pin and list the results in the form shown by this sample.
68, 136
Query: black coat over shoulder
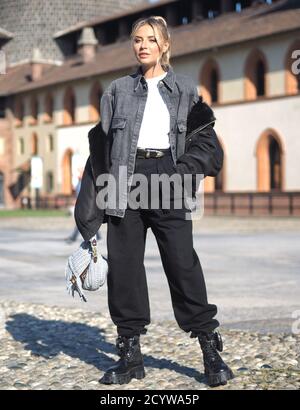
203, 155
88, 216
203, 152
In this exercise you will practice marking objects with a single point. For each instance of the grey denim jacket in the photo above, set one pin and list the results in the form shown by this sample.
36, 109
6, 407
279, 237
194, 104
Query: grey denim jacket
121, 109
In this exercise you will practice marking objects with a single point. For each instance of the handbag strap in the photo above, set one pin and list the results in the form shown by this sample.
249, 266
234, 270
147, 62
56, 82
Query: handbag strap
93, 242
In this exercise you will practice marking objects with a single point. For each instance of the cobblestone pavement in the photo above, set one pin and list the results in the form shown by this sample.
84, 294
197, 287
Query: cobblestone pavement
46, 347
251, 267
50, 341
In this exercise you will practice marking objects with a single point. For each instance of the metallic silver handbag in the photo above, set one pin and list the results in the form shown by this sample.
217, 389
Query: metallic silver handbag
86, 269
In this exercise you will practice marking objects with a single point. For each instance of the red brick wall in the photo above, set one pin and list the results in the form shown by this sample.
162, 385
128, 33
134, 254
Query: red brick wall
6, 161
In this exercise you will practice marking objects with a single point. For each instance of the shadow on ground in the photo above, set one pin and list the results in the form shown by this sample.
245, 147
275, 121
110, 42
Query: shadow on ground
48, 338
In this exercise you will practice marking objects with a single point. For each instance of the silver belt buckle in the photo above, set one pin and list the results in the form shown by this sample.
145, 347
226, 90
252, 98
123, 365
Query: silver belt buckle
159, 154
147, 155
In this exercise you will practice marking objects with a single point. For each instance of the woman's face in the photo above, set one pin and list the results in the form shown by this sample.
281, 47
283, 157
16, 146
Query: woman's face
145, 47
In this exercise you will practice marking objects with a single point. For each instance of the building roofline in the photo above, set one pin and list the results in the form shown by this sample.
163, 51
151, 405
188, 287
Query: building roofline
230, 29
137, 9
35, 86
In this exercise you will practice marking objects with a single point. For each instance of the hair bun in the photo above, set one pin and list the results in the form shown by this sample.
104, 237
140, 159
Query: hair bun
161, 19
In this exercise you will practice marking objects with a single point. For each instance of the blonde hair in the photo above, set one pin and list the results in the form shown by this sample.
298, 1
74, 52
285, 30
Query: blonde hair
159, 24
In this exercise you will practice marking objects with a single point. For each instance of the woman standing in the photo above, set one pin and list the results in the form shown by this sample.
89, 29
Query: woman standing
146, 115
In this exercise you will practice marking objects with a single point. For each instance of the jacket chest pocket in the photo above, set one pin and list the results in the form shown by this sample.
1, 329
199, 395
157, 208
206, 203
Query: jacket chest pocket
118, 125
181, 126
181, 132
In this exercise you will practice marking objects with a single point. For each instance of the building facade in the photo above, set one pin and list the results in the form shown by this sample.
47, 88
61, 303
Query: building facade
241, 55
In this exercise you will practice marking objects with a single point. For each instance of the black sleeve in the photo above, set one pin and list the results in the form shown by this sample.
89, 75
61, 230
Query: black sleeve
203, 156
88, 216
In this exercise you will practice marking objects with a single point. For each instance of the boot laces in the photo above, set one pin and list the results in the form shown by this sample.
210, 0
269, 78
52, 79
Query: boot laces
210, 351
125, 347
210, 345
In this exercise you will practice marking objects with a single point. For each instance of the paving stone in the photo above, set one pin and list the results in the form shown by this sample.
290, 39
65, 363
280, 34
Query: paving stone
176, 366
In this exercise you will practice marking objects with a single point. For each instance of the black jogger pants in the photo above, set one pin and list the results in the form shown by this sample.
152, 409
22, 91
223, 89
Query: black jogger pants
127, 285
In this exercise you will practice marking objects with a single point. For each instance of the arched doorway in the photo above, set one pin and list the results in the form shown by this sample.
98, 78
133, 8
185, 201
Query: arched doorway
67, 172
275, 165
217, 183
270, 162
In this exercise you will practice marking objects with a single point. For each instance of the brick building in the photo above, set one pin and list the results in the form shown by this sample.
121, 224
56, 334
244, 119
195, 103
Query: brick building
239, 54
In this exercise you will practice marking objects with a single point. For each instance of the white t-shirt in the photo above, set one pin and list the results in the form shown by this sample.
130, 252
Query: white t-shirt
156, 119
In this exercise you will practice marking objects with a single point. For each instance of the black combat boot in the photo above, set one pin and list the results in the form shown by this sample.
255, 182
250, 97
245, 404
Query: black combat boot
130, 365
216, 370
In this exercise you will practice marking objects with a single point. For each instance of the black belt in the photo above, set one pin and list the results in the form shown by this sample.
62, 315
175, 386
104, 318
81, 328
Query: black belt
151, 152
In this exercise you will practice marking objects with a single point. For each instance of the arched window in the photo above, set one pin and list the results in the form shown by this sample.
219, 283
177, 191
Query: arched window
210, 82
48, 115
69, 107
255, 75
260, 78
292, 69
94, 107
34, 108
214, 81
270, 162
19, 112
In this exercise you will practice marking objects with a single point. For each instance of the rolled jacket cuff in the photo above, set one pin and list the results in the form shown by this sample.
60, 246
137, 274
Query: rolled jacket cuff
181, 168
